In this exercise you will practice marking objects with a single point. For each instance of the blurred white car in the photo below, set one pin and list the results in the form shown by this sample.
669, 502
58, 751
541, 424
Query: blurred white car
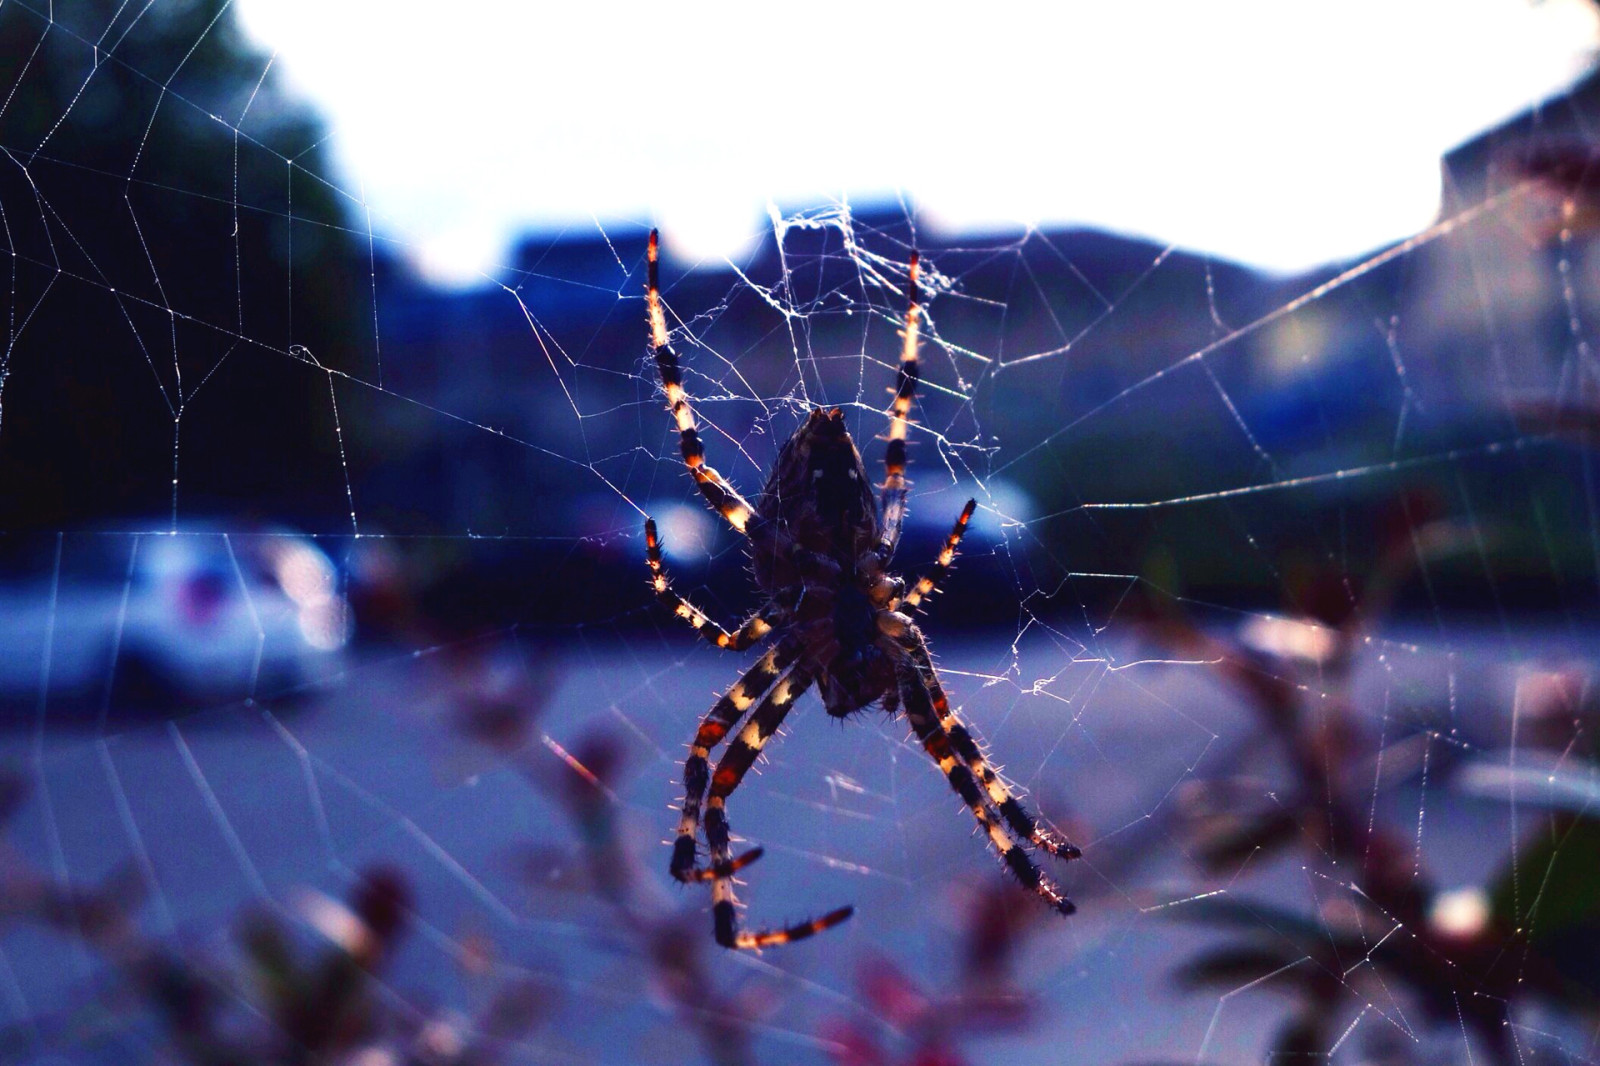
150, 621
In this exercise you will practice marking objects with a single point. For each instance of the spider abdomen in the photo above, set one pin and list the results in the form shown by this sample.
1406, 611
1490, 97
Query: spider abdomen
855, 621
857, 672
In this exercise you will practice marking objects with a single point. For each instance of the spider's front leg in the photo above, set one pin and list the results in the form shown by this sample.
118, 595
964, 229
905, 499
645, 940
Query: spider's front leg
892, 504
941, 567
723, 497
755, 627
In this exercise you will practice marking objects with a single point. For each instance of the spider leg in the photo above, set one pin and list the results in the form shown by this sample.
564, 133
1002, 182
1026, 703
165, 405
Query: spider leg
755, 627
893, 500
723, 497
741, 755
718, 722
918, 704
941, 567
1021, 821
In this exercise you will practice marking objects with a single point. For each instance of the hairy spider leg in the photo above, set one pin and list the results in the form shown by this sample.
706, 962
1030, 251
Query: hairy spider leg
714, 727
893, 503
758, 625
941, 567
741, 755
919, 710
1022, 822
723, 497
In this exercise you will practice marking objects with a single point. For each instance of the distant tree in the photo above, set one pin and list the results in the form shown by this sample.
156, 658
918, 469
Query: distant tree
180, 273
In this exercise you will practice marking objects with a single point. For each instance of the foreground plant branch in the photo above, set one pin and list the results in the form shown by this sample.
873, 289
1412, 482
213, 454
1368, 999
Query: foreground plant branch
1385, 935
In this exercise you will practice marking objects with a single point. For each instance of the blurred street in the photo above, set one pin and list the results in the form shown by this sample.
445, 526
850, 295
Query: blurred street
251, 806
342, 722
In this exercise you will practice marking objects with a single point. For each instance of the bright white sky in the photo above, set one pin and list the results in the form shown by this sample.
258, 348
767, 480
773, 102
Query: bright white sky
1278, 133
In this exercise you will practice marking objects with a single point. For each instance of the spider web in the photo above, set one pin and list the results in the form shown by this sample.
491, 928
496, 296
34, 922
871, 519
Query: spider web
1280, 600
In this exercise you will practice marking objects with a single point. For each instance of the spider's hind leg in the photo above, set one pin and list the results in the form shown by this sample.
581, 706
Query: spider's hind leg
1001, 836
1021, 821
714, 728
742, 754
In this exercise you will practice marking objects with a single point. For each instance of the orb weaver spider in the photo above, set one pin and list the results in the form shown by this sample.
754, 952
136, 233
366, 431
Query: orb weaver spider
821, 548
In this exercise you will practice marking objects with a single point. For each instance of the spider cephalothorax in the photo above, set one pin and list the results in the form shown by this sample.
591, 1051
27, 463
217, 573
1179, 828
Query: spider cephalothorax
821, 547
819, 535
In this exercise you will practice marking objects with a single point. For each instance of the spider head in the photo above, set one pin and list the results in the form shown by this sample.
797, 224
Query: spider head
824, 432
834, 476
819, 493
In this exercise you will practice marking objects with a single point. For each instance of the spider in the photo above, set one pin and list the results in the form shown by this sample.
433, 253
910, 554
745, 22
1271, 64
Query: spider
821, 547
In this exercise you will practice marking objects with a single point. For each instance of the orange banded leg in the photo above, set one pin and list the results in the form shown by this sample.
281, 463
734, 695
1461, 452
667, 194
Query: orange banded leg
1021, 821
919, 710
742, 753
714, 727
753, 630
893, 503
941, 567
723, 497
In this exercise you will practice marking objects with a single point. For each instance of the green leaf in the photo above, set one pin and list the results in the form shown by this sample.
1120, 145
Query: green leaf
1558, 875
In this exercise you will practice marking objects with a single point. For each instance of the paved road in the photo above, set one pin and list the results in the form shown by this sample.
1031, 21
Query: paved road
251, 806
